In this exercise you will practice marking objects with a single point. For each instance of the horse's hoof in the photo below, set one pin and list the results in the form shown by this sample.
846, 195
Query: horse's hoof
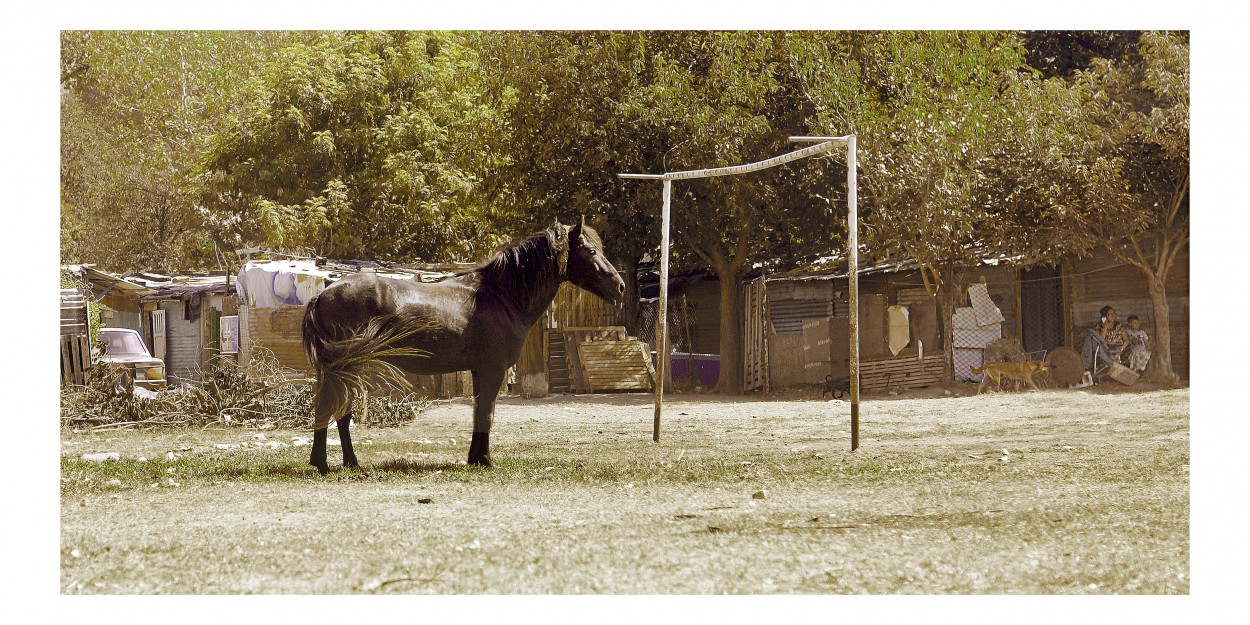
323, 470
484, 463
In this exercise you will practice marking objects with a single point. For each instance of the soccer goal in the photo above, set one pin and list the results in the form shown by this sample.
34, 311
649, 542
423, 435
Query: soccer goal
822, 145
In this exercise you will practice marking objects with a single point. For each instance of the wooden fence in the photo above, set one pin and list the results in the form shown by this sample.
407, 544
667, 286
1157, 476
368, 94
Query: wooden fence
902, 372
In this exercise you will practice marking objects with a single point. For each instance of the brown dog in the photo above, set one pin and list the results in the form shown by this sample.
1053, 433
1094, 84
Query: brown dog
1015, 371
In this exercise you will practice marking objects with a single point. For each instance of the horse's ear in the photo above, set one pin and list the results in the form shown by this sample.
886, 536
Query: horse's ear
575, 233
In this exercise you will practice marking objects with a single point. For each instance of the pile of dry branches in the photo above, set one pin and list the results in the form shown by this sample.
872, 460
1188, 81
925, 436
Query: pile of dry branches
265, 397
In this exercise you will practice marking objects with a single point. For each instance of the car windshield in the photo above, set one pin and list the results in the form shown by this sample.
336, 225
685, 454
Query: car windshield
123, 344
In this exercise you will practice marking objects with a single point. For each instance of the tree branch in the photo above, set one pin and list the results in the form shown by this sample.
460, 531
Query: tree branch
1177, 199
1176, 245
698, 250
744, 242
74, 73
1124, 258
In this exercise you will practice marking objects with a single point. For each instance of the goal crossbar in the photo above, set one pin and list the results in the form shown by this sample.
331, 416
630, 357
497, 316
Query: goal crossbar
826, 144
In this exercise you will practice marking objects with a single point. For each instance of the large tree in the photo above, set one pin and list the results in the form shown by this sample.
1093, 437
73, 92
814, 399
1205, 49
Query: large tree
592, 105
136, 108
568, 140
371, 145
1139, 113
722, 99
944, 122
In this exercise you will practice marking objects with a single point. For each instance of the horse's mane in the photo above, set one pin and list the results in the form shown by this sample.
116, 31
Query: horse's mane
535, 261
527, 264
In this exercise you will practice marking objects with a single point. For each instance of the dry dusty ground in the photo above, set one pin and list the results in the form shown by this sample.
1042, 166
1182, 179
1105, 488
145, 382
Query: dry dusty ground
1051, 492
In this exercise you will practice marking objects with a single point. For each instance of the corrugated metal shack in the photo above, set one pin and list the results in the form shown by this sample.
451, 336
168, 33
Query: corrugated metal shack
178, 317
1043, 307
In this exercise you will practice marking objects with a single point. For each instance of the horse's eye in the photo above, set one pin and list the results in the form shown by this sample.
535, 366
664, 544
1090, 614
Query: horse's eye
591, 251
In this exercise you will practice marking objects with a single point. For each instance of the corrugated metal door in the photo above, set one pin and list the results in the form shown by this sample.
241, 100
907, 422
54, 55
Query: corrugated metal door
158, 334
787, 315
182, 360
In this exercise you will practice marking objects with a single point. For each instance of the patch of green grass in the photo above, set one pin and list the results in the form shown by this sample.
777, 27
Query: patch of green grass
860, 470
78, 476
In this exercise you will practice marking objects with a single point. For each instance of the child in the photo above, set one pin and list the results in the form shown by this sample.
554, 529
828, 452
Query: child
1138, 345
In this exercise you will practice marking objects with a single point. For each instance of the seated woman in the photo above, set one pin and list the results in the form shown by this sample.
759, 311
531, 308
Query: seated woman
1137, 355
1104, 341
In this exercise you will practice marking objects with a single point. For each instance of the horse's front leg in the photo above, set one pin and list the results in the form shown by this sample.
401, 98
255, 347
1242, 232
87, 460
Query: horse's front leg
485, 389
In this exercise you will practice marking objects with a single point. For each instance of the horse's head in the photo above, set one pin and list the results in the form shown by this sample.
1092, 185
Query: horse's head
588, 265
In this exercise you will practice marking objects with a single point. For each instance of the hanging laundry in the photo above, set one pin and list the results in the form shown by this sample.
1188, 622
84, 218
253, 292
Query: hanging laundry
267, 284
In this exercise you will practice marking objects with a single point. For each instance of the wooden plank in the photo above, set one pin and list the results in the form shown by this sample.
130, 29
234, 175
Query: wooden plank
84, 351
75, 358
646, 359
66, 370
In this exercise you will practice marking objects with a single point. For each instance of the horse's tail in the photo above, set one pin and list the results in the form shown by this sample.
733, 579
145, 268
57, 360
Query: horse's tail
314, 339
349, 367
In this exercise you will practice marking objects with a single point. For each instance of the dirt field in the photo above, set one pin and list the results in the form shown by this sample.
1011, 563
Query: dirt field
1052, 492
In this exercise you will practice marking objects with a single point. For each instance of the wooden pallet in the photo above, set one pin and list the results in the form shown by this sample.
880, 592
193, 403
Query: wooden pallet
75, 359
900, 373
616, 365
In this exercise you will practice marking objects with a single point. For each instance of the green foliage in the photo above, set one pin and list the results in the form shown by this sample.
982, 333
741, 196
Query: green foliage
136, 108
932, 117
436, 145
371, 145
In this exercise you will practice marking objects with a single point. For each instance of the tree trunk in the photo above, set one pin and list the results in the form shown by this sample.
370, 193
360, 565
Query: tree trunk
630, 271
1159, 369
730, 381
950, 291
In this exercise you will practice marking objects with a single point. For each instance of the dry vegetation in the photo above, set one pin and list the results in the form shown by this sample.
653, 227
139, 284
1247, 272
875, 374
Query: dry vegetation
1052, 492
264, 397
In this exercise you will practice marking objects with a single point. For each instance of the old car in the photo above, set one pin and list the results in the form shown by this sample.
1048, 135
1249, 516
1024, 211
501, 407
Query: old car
124, 347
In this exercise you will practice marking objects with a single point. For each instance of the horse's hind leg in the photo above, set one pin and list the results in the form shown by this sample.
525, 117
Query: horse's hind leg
318, 458
345, 437
485, 390
326, 403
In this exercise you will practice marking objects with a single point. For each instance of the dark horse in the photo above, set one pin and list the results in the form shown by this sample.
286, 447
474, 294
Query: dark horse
364, 327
